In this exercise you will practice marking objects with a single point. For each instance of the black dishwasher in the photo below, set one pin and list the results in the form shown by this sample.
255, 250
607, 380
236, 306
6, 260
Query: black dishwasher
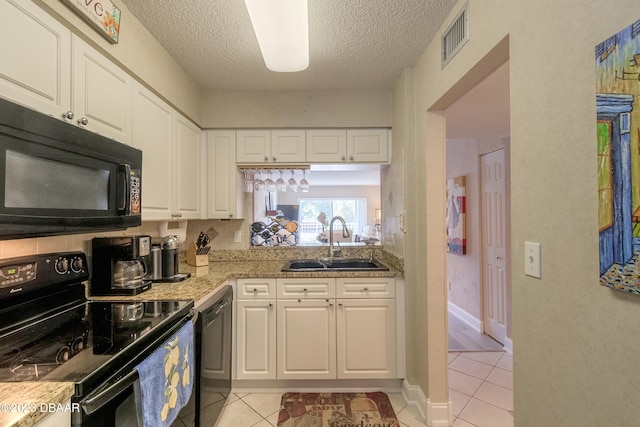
213, 352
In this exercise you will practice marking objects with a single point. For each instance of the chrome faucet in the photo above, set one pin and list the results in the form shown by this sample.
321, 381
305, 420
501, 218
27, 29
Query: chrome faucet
345, 233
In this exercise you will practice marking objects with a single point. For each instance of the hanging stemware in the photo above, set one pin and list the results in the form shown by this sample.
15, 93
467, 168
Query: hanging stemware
258, 182
270, 184
304, 184
248, 182
281, 184
293, 185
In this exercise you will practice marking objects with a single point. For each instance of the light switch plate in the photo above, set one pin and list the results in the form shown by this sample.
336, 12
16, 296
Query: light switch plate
237, 236
532, 259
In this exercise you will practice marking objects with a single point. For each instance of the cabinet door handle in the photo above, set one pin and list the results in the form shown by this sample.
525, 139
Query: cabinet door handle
68, 115
83, 121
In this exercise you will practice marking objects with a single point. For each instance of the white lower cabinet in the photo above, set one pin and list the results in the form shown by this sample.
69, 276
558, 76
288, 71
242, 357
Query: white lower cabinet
256, 329
366, 338
306, 337
313, 335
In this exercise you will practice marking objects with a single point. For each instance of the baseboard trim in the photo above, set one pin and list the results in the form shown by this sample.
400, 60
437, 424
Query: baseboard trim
465, 316
434, 414
508, 345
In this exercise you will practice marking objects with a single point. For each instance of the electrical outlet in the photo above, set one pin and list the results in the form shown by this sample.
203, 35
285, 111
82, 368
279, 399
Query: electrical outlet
532, 260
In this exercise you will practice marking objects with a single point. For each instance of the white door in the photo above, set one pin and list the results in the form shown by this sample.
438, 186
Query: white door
366, 338
35, 69
101, 94
152, 132
256, 340
187, 144
494, 264
306, 339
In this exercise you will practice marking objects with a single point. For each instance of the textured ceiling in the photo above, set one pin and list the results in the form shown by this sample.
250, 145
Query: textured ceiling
354, 44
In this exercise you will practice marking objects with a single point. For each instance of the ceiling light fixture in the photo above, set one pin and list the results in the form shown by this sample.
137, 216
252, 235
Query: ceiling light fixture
282, 29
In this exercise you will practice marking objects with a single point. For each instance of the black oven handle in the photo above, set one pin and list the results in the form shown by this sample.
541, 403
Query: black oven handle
124, 203
96, 402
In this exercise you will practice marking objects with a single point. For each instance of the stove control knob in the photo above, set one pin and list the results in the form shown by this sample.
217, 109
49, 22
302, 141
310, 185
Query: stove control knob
77, 265
62, 265
63, 354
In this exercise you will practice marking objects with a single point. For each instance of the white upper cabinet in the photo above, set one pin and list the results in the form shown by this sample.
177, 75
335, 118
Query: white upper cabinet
326, 146
101, 93
225, 199
35, 69
368, 145
348, 146
270, 146
153, 134
170, 146
46, 68
288, 146
187, 145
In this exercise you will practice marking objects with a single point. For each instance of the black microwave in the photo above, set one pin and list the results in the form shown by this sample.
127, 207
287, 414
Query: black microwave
57, 178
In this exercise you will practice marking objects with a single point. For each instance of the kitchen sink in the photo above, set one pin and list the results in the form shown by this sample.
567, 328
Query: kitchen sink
351, 264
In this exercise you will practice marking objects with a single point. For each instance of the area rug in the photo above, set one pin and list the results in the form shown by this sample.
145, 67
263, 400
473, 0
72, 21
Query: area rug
336, 410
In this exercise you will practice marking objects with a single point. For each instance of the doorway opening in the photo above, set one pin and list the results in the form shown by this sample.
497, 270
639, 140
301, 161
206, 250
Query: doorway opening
477, 147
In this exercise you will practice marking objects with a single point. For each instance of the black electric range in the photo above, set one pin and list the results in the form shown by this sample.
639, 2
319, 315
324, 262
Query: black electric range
50, 332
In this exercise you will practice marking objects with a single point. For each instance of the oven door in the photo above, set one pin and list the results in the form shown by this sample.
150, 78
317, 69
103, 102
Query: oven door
113, 404
116, 407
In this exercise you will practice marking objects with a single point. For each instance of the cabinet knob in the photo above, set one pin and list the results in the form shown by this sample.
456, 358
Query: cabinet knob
274, 158
339, 304
83, 121
270, 305
176, 215
266, 158
351, 158
365, 289
230, 215
68, 115
343, 158
305, 289
255, 290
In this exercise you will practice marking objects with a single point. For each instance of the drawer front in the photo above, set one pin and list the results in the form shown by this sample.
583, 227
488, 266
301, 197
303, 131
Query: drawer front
256, 288
306, 288
374, 287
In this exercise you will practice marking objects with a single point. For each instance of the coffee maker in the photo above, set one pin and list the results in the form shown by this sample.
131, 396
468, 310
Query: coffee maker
119, 265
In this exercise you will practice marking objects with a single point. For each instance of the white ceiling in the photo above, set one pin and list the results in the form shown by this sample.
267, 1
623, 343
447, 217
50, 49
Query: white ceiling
354, 44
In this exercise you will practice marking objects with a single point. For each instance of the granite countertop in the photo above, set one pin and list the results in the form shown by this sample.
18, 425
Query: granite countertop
203, 282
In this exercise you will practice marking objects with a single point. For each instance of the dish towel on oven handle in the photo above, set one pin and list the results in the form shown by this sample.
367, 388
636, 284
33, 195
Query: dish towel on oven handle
166, 379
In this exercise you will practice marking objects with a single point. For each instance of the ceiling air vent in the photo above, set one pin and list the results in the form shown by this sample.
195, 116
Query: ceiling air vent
455, 36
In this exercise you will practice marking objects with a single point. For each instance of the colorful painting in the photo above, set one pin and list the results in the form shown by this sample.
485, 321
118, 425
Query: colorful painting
102, 14
456, 213
618, 148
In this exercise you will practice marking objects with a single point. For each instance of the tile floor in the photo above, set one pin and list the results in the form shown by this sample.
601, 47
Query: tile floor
480, 387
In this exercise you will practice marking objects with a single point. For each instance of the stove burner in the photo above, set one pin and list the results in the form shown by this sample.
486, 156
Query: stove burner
44, 353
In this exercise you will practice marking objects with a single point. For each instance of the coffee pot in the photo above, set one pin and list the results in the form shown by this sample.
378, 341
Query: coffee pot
128, 273
119, 265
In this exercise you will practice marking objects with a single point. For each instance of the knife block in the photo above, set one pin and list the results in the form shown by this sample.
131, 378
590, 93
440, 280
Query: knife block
194, 259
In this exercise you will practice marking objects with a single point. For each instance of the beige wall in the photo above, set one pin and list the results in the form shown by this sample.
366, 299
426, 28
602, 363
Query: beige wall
254, 109
573, 339
137, 52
